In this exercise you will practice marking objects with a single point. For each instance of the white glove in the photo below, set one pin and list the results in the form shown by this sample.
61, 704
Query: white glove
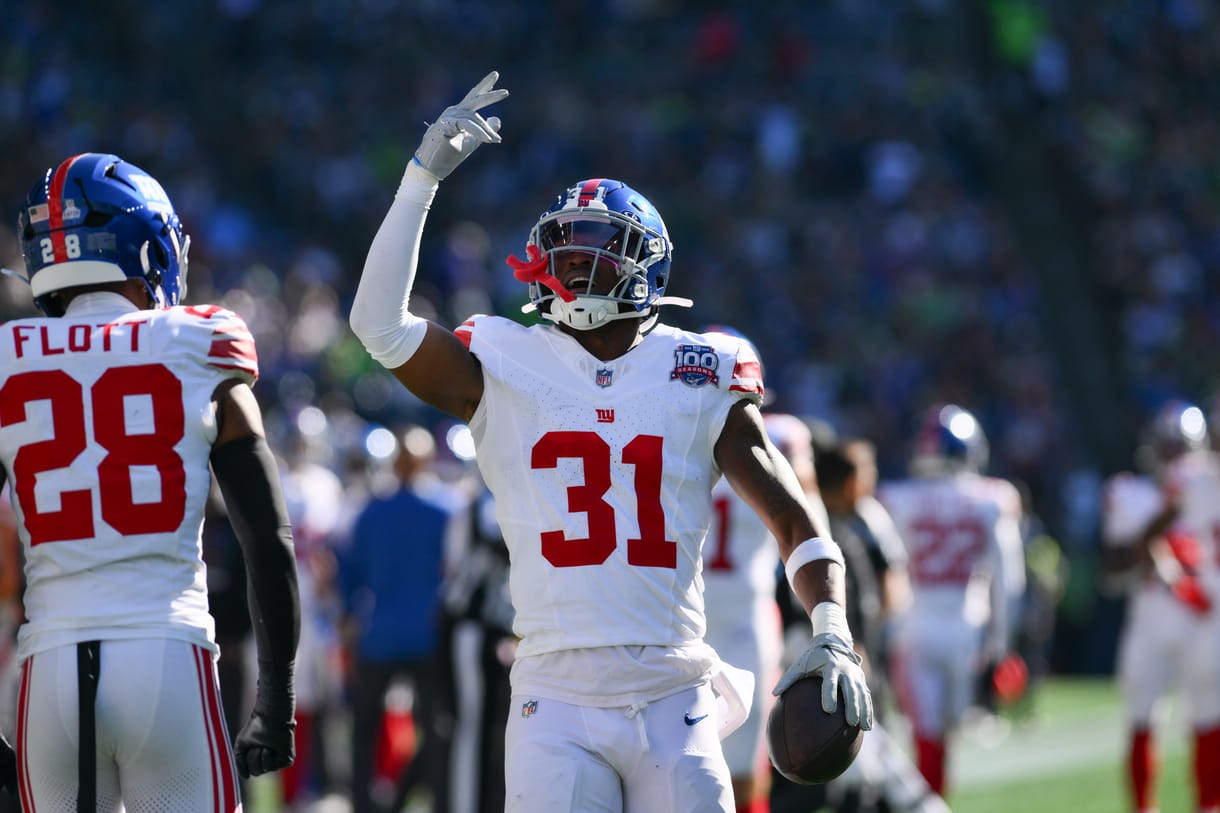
833, 657
460, 130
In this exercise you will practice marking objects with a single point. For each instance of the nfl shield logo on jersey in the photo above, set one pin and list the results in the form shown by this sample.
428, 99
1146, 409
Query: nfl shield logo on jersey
529, 708
604, 377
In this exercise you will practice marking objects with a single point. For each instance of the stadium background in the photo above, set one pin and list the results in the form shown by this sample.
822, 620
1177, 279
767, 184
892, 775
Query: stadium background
1008, 204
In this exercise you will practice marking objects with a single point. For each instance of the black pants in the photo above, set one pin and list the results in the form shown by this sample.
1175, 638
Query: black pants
429, 766
480, 686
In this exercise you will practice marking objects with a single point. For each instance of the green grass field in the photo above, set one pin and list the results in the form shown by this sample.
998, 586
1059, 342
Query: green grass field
1066, 756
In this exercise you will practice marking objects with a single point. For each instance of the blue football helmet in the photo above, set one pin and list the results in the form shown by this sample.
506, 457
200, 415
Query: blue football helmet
96, 218
625, 235
950, 439
1177, 427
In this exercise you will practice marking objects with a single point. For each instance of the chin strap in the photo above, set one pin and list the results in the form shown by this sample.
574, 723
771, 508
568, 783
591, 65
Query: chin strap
597, 310
558, 312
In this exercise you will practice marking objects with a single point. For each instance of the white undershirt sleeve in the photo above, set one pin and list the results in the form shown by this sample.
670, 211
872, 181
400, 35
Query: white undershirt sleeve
380, 317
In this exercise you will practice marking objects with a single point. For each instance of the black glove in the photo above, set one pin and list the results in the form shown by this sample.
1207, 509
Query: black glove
8, 766
266, 741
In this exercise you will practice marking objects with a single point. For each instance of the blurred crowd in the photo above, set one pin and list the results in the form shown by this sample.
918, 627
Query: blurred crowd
842, 180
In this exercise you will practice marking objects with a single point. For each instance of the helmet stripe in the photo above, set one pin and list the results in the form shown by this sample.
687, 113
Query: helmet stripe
55, 203
588, 191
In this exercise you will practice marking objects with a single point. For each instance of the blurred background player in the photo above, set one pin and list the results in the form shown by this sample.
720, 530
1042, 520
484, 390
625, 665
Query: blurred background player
741, 567
838, 484
883, 777
963, 536
391, 574
865, 515
478, 650
112, 407
316, 505
1158, 532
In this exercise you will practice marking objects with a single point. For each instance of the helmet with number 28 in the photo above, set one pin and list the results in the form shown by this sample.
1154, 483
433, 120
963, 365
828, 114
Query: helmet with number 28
623, 234
94, 219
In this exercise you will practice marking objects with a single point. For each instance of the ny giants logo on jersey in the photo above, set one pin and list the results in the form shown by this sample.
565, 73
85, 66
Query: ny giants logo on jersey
695, 365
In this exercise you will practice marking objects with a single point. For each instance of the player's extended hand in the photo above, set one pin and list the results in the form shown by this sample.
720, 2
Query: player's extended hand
460, 129
833, 658
8, 766
266, 742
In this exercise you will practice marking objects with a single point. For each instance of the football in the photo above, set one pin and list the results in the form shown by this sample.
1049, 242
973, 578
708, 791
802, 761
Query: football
807, 745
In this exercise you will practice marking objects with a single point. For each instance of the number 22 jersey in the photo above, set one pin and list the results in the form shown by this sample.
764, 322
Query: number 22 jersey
106, 428
602, 472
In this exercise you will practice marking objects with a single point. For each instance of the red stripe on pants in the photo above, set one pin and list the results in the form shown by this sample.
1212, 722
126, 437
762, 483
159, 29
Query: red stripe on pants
25, 791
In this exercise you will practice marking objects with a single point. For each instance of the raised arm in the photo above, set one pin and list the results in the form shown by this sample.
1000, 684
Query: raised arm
428, 359
761, 475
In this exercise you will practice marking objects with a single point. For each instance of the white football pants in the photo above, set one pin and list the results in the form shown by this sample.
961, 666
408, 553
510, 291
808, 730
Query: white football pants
161, 745
662, 758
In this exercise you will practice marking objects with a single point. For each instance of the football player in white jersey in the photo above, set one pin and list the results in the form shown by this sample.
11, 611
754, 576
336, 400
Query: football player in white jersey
112, 406
1159, 543
962, 531
601, 434
740, 565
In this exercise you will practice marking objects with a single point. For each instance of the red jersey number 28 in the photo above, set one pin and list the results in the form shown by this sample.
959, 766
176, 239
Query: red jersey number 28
74, 519
643, 453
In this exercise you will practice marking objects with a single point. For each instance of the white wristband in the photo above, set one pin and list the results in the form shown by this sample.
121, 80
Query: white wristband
809, 551
828, 617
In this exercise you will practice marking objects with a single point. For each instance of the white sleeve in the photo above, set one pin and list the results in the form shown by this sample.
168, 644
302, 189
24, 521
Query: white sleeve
1008, 583
380, 317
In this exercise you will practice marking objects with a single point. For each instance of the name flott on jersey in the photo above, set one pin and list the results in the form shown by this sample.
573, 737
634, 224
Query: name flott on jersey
604, 519
106, 427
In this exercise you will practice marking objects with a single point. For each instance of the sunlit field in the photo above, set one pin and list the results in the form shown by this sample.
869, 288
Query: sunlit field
1066, 755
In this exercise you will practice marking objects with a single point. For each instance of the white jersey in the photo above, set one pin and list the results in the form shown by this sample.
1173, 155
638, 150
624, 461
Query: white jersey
1129, 504
106, 427
1195, 477
740, 568
740, 561
1132, 501
1168, 638
313, 495
602, 473
963, 538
